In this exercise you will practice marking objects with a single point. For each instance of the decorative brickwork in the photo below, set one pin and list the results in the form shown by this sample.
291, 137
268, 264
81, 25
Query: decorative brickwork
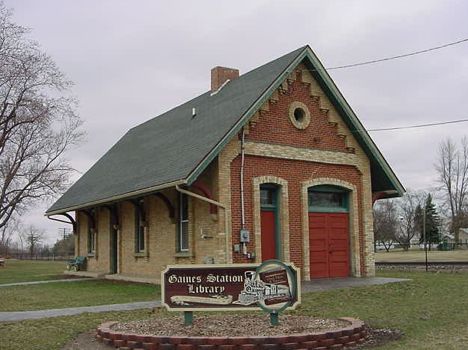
274, 126
349, 336
299, 115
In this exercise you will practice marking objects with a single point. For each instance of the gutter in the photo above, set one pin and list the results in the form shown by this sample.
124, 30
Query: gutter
218, 204
116, 198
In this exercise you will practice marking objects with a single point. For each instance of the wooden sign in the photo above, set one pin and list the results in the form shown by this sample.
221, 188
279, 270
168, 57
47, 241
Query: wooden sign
272, 286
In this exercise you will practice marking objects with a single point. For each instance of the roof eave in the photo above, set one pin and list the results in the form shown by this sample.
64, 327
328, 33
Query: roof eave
116, 198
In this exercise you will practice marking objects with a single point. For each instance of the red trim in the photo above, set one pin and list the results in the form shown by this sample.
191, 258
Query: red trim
200, 186
268, 231
168, 203
377, 195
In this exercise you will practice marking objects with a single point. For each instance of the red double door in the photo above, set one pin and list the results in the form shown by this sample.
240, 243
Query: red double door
329, 245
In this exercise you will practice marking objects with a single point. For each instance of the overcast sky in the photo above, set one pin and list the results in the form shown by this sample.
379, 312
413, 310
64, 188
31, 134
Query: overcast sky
133, 60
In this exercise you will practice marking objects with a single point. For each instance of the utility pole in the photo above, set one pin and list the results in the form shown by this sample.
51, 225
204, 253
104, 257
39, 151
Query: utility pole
63, 232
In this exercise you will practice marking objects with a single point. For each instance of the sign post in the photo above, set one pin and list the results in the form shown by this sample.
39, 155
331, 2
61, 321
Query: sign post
188, 318
272, 286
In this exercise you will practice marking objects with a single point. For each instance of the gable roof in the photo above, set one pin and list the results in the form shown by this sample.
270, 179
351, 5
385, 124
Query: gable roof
174, 148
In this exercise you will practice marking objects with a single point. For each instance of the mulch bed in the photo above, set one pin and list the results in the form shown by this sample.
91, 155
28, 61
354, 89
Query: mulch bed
232, 325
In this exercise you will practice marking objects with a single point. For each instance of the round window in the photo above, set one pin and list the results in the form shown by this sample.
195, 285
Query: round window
299, 115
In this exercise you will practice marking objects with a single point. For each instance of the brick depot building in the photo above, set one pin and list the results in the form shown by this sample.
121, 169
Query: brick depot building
270, 164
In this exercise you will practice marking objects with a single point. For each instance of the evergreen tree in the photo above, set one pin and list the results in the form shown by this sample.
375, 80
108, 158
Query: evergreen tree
432, 222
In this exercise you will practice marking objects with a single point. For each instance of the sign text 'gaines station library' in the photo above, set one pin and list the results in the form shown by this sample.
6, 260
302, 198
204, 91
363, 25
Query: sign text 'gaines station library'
271, 286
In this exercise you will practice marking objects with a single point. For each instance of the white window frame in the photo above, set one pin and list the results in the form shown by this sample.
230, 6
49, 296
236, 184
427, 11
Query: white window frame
181, 223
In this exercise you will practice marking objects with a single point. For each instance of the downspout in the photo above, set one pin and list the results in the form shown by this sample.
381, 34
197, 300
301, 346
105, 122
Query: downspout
244, 245
218, 204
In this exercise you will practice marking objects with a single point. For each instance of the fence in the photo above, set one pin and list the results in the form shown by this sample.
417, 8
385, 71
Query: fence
452, 246
40, 257
444, 246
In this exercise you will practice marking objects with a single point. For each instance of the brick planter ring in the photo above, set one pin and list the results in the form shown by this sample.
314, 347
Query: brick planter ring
352, 335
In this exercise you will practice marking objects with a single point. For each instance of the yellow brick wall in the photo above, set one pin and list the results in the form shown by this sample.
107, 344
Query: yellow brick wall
92, 262
160, 239
209, 239
226, 156
206, 241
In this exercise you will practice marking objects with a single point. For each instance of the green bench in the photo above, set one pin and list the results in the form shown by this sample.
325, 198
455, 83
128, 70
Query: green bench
77, 264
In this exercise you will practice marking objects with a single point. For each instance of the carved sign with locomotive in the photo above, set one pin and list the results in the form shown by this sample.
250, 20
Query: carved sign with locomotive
230, 287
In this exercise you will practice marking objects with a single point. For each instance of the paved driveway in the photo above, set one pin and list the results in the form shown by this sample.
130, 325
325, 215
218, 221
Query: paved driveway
31, 315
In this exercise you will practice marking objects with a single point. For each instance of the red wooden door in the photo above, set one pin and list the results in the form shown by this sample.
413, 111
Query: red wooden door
268, 235
329, 244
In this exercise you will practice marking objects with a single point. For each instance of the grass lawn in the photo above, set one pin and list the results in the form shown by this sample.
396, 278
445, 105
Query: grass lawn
71, 294
432, 310
418, 255
31, 270
53, 333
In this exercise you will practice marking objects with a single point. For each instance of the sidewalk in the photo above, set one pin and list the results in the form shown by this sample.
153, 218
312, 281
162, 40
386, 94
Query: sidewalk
31, 315
307, 286
42, 282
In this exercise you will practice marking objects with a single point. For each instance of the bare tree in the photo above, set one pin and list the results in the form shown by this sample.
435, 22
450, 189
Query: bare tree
33, 237
407, 215
385, 223
6, 235
452, 169
38, 122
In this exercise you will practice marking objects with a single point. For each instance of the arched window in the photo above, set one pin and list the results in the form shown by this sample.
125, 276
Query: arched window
328, 199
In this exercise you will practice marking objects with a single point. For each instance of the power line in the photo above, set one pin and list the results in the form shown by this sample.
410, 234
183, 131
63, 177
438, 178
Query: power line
398, 56
416, 126
395, 128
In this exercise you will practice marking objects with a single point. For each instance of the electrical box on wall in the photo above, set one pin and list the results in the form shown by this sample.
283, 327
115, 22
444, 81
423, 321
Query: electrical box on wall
244, 236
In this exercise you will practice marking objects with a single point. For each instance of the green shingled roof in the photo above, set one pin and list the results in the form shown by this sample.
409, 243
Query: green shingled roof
174, 148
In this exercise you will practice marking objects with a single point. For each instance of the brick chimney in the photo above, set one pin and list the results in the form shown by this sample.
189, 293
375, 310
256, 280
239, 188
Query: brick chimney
219, 75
